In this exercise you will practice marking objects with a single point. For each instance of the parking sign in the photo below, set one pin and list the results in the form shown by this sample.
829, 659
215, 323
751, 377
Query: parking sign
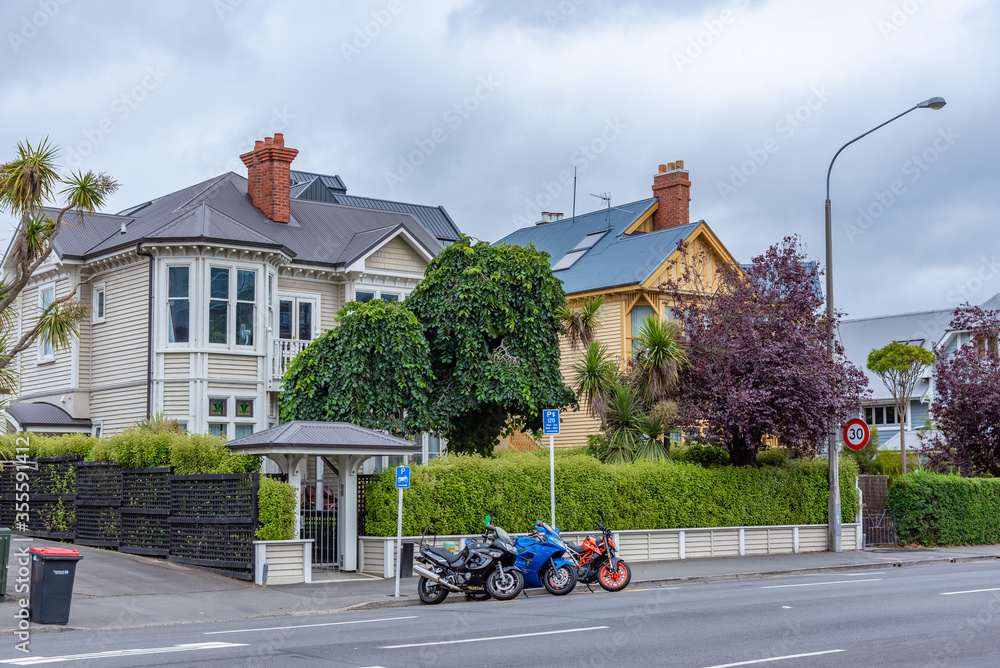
402, 477
550, 422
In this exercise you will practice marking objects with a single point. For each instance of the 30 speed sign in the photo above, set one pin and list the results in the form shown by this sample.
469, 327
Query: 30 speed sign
856, 434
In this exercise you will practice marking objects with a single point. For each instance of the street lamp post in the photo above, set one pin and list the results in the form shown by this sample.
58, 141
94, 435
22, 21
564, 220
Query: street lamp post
833, 505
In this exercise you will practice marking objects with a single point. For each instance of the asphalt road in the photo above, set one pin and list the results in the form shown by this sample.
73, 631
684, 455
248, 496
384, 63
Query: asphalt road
946, 615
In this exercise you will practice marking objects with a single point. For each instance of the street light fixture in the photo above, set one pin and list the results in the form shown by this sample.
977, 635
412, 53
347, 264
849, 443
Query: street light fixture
833, 505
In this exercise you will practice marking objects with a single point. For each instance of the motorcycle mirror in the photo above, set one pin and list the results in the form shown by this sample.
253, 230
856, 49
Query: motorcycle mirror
601, 513
487, 520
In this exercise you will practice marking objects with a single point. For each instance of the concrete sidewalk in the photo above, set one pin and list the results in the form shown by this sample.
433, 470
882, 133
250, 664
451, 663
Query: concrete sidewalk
114, 590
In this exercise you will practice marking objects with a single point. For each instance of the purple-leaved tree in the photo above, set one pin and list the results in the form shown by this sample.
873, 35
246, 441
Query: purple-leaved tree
966, 406
760, 367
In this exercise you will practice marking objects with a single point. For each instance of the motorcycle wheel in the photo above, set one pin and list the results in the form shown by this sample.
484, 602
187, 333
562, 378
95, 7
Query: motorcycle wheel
615, 580
505, 585
430, 592
559, 581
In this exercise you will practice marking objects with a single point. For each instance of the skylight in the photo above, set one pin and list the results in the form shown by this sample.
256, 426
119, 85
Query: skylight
589, 240
568, 259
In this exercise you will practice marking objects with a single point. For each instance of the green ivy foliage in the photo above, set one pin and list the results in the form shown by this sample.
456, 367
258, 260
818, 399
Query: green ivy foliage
373, 370
489, 315
275, 510
935, 509
453, 494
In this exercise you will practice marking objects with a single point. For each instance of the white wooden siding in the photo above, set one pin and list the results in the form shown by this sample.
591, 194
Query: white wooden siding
176, 398
238, 367
118, 408
396, 255
54, 376
176, 365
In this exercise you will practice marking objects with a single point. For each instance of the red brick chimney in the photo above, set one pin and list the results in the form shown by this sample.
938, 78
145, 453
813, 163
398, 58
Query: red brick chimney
269, 176
673, 188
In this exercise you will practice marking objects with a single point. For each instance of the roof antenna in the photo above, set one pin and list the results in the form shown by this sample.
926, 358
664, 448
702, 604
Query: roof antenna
606, 198
574, 194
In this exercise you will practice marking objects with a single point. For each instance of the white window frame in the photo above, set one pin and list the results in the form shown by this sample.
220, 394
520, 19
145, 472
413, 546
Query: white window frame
42, 356
100, 302
400, 293
229, 421
260, 297
884, 424
192, 313
97, 428
295, 298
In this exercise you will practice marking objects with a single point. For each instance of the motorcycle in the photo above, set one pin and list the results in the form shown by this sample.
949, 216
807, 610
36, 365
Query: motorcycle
480, 568
542, 559
597, 559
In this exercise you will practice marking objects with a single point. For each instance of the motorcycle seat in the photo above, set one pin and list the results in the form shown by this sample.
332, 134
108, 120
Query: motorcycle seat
445, 554
574, 546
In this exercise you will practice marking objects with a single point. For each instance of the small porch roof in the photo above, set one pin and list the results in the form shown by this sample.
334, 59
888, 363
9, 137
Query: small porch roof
45, 417
322, 439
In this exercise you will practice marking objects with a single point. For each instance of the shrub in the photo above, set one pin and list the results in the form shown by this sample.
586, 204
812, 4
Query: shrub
453, 493
701, 454
275, 510
772, 457
935, 509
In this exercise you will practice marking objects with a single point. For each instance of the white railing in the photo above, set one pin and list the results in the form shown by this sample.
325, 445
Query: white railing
283, 352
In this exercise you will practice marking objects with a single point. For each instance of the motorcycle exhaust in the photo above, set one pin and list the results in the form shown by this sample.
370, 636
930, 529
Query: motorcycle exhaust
420, 570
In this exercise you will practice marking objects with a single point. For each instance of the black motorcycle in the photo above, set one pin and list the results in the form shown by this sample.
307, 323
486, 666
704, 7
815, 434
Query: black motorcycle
480, 568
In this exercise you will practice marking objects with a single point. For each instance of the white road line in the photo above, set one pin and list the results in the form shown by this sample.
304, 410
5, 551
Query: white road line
33, 660
518, 635
306, 626
777, 658
814, 584
970, 591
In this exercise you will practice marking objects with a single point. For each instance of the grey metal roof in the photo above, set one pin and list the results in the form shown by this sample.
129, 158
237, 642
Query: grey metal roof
331, 182
220, 210
434, 218
321, 438
616, 259
42, 414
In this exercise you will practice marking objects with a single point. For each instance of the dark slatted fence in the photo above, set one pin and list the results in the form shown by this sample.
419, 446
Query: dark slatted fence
52, 512
98, 504
146, 511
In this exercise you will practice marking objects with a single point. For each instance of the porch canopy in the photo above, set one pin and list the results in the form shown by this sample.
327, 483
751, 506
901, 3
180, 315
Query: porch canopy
346, 445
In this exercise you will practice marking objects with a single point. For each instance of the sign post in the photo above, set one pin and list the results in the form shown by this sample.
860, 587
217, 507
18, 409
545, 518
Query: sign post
402, 482
856, 434
550, 426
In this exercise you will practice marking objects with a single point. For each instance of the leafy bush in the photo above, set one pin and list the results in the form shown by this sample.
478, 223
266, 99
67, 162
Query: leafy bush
935, 509
703, 454
453, 493
275, 510
772, 457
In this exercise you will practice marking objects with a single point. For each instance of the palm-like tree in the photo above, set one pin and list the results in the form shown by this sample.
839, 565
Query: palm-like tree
596, 377
579, 324
26, 184
660, 356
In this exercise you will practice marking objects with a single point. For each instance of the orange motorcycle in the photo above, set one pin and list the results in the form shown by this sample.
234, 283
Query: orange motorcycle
597, 559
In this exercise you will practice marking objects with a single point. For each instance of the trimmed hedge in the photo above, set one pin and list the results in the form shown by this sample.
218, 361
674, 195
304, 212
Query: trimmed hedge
935, 509
275, 510
454, 492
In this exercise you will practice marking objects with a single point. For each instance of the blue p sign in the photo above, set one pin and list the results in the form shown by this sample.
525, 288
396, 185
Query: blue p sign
550, 421
402, 477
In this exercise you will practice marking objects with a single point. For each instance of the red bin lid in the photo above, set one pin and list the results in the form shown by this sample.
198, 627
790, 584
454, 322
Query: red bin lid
55, 551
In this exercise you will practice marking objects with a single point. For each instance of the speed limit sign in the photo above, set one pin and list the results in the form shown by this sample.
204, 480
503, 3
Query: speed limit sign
856, 434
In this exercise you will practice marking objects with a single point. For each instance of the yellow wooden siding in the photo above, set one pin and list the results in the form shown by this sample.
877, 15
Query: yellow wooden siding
176, 398
118, 408
119, 345
237, 367
331, 296
176, 365
54, 376
225, 389
396, 255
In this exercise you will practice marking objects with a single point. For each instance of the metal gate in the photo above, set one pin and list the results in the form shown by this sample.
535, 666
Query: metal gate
318, 520
879, 528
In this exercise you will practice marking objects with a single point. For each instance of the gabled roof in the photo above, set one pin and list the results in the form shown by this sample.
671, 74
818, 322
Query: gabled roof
219, 210
617, 259
322, 188
321, 438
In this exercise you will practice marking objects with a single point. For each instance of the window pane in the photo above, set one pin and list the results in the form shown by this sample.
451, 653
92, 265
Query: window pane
244, 408
217, 429
305, 321
244, 324
220, 283
869, 417
177, 282
100, 304
218, 322
890, 415
179, 319
243, 430
364, 296
217, 407
270, 290
246, 285
389, 297
285, 319
48, 296
879, 415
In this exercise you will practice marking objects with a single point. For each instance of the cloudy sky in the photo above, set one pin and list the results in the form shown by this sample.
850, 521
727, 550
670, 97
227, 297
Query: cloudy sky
485, 107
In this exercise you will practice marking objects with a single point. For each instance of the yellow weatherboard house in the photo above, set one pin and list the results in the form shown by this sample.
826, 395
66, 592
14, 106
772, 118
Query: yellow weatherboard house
623, 253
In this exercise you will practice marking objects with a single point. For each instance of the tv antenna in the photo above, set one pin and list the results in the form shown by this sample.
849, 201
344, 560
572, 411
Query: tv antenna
606, 198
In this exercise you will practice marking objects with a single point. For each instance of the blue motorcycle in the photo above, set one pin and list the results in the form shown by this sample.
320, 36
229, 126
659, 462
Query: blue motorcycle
540, 557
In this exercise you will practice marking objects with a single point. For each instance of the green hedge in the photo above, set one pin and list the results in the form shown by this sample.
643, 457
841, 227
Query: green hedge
136, 448
934, 509
453, 493
275, 510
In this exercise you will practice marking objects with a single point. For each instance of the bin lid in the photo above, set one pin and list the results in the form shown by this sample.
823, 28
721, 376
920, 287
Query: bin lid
55, 551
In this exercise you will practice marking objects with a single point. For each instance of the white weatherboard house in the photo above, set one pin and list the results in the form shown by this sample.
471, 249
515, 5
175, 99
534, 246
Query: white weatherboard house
202, 296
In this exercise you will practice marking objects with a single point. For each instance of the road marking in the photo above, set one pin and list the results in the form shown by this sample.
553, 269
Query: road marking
970, 591
814, 584
306, 626
518, 635
777, 658
32, 660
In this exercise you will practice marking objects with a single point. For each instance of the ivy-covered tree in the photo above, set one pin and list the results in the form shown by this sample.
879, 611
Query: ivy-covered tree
490, 317
900, 366
373, 370
759, 360
966, 404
